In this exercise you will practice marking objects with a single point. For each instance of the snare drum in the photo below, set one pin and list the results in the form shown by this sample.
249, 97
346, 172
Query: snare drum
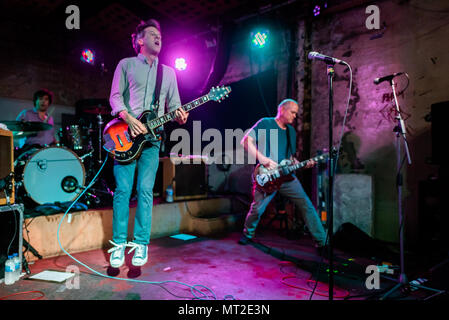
53, 174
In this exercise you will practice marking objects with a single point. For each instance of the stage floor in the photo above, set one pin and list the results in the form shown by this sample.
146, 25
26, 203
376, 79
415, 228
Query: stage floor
273, 268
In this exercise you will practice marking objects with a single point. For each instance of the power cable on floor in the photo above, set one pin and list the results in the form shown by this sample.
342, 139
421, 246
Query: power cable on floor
193, 288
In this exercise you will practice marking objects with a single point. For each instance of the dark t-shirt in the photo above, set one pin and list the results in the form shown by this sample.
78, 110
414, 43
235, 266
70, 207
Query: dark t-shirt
271, 140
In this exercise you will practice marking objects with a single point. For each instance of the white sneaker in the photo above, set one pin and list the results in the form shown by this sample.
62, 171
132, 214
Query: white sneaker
117, 257
140, 256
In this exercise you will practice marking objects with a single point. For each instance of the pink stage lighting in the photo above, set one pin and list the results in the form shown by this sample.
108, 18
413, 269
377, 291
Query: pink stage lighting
180, 64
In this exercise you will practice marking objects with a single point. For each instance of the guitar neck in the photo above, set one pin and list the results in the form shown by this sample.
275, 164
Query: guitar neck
301, 164
157, 122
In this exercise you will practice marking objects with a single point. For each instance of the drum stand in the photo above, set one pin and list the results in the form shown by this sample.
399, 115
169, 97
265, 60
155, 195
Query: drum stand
102, 189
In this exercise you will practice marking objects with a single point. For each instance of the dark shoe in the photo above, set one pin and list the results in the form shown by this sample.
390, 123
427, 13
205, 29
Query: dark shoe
244, 240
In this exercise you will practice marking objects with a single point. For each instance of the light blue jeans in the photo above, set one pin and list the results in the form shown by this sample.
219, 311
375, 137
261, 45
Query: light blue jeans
295, 192
147, 166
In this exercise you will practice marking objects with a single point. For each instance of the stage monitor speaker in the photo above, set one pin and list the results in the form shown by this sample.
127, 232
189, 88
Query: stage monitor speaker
6, 167
187, 177
439, 114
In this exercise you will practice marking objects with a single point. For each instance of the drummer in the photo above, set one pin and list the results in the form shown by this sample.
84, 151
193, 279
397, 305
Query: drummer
42, 100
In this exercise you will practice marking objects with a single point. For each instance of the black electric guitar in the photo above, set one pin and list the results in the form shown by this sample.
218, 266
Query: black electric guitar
123, 148
271, 180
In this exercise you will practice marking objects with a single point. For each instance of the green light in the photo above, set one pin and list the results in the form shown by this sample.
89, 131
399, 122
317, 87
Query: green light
260, 39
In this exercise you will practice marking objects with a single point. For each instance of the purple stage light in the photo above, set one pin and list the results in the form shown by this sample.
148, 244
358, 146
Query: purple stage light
88, 56
180, 64
316, 10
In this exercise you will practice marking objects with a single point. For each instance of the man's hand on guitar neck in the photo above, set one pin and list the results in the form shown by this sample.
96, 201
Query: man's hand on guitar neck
309, 164
181, 116
135, 126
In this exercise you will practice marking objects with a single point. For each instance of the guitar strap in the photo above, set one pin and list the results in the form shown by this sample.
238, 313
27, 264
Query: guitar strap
288, 143
157, 89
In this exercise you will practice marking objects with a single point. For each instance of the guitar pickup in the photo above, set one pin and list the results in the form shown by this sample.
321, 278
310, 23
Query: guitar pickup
128, 137
119, 140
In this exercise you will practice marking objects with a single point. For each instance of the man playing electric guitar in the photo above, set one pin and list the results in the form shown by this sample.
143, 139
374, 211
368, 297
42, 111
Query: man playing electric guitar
133, 92
269, 141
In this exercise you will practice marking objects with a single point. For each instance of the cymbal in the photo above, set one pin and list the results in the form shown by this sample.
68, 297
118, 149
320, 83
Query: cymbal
26, 126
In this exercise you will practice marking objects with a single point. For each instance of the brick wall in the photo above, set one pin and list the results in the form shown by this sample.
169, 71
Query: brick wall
414, 40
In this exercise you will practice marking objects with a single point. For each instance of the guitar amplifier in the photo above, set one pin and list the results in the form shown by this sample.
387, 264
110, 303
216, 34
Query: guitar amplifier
6, 167
187, 175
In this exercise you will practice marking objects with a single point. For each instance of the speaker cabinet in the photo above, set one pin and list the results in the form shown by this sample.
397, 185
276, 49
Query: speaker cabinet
187, 175
6, 166
439, 115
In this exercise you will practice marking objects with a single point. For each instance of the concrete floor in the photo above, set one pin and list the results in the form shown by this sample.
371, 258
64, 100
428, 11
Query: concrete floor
274, 268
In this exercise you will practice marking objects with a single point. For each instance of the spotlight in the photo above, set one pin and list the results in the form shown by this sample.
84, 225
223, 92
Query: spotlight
88, 56
180, 64
316, 10
259, 39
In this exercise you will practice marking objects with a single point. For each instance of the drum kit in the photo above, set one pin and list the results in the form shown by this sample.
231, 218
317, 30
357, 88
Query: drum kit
58, 173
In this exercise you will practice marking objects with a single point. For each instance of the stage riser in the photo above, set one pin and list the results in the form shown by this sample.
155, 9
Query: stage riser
89, 230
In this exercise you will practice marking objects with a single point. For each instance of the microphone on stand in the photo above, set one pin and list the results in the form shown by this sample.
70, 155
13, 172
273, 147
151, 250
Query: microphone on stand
387, 78
330, 60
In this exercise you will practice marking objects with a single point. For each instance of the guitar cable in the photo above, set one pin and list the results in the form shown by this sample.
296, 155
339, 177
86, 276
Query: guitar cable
193, 288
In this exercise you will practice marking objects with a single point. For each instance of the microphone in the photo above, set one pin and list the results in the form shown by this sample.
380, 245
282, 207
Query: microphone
387, 78
330, 60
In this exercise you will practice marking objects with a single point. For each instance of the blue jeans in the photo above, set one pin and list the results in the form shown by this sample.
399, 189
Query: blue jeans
295, 192
147, 166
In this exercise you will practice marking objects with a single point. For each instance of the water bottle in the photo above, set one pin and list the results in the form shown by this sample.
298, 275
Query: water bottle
169, 194
17, 266
9, 271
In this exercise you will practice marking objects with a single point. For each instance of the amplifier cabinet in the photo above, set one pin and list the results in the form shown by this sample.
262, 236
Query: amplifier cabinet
187, 175
6, 164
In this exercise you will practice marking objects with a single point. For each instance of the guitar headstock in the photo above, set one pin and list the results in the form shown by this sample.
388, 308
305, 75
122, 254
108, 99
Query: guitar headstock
219, 93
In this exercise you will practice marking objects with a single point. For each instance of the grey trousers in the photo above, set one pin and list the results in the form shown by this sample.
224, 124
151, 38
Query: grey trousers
295, 192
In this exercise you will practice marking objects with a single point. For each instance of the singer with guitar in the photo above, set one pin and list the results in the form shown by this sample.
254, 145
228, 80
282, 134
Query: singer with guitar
140, 83
270, 141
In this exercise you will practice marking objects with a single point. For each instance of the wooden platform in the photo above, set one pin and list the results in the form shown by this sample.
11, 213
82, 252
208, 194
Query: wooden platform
89, 230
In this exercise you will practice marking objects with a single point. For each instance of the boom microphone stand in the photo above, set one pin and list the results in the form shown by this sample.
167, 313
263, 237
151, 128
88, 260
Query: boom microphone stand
330, 75
399, 129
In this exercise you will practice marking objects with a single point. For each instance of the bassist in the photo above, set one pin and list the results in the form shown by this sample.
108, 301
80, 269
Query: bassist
269, 141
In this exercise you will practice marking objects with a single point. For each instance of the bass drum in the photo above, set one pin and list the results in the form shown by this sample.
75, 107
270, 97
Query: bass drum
53, 174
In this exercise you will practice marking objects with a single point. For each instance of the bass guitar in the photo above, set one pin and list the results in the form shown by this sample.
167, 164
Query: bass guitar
123, 148
269, 181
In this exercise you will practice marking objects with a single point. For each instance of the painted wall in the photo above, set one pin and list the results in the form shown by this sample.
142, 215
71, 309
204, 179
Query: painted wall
413, 39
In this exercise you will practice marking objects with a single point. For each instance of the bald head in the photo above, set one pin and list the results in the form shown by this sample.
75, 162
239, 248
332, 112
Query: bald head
287, 103
287, 111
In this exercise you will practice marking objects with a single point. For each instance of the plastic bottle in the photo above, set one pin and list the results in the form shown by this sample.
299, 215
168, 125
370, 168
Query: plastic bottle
17, 267
9, 271
169, 194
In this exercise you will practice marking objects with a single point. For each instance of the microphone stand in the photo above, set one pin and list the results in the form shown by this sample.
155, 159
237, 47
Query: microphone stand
399, 129
330, 74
